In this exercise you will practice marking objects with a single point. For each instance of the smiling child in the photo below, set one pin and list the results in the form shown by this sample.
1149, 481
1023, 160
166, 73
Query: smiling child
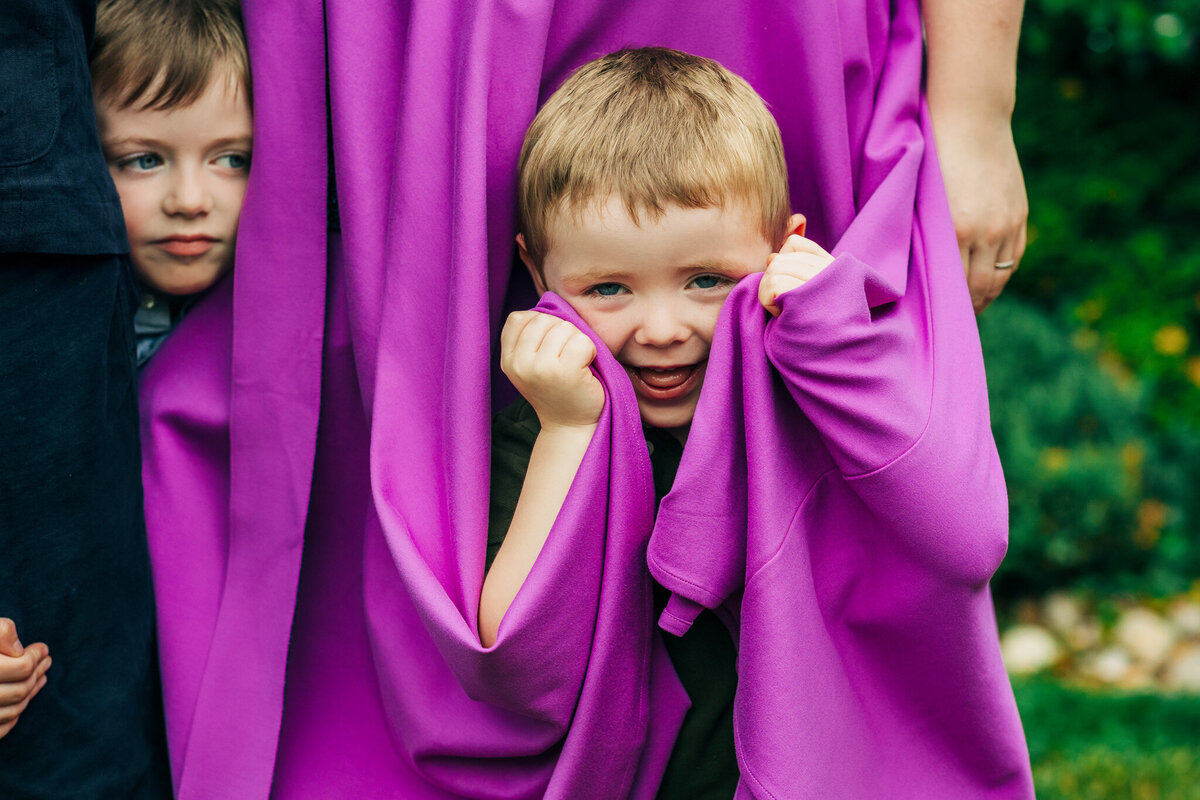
650, 183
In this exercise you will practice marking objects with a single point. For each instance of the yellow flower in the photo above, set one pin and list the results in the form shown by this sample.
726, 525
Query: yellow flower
1055, 459
1171, 340
1193, 370
1132, 456
1151, 516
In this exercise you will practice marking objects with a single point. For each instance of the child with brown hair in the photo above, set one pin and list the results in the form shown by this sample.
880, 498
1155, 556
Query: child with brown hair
172, 85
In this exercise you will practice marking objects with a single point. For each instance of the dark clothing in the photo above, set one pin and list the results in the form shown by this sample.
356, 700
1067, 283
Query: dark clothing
74, 568
702, 765
157, 315
55, 192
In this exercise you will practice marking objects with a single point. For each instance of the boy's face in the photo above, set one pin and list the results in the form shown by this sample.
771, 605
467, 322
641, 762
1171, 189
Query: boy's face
652, 292
181, 174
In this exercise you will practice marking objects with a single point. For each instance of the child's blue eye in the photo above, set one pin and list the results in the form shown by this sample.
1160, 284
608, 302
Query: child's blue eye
142, 161
707, 281
607, 289
238, 161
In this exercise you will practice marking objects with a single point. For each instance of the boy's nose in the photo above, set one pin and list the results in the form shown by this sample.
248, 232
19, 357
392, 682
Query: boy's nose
188, 196
661, 326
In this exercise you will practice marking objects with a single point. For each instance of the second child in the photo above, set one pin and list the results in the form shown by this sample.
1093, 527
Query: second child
172, 85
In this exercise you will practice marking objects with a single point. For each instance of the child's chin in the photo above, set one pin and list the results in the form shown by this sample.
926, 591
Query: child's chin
178, 287
668, 418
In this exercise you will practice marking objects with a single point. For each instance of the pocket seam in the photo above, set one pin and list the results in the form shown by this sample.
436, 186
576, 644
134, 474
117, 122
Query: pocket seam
46, 55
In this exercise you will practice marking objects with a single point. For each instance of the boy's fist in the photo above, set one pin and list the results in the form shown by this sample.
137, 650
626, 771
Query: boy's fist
22, 674
548, 360
798, 261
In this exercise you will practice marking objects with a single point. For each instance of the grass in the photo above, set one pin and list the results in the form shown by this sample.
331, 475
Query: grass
1089, 745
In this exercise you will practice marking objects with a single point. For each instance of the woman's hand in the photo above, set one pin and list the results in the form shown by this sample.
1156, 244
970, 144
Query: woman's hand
971, 87
986, 190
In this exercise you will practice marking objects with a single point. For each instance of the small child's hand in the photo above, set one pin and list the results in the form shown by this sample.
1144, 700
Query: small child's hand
547, 359
22, 674
798, 261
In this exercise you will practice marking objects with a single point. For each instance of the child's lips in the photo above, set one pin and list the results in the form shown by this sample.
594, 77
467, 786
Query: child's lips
187, 246
665, 384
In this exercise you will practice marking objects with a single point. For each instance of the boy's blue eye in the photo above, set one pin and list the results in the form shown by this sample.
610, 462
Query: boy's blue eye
607, 289
707, 281
142, 161
238, 161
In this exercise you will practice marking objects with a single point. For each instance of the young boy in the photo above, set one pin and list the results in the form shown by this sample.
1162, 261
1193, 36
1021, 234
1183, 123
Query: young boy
172, 85
643, 230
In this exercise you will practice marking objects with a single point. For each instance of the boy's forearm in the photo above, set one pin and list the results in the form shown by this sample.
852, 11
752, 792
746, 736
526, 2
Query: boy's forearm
972, 57
553, 464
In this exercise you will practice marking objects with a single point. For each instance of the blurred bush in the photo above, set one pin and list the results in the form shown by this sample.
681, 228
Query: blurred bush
1093, 365
1131, 34
1107, 773
1099, 497
1090, 746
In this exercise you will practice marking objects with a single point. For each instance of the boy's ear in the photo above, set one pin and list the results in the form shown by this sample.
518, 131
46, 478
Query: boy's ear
527, 259
796, 224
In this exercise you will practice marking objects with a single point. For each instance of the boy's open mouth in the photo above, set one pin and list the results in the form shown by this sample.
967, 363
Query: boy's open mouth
665, 384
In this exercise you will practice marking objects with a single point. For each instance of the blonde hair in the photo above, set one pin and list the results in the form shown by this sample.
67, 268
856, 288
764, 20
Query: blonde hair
162, 54
655, 127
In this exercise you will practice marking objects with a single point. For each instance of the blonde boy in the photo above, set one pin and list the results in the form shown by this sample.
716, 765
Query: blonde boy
171, 81
650, 183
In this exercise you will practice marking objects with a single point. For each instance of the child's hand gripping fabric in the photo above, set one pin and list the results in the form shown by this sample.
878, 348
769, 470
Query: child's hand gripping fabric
797, 262
22, 674
549, 361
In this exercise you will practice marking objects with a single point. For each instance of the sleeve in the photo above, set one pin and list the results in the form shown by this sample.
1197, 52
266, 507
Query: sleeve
514, 431
887, 366
856, 369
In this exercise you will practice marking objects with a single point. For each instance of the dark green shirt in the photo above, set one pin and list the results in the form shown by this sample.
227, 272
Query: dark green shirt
702, 764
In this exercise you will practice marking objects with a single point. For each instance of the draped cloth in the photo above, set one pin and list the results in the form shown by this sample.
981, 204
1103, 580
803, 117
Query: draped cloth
316, 432
841, 499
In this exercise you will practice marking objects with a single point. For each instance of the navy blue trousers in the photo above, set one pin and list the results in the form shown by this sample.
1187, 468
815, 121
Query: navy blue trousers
74, 569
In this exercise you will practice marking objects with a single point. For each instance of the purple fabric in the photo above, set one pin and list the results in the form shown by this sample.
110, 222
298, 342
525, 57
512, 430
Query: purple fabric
318, 584
860, 515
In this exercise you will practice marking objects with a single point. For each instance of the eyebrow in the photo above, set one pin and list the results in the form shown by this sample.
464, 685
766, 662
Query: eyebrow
138, 141
714, 265
242, 141
602, 275
132, 140
599, 275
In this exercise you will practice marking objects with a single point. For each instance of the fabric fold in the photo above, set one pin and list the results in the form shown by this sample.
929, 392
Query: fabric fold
875, 513
561, 703
281, 546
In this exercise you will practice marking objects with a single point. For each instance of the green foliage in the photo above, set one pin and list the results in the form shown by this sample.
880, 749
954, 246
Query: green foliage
1074, 444
1091, 746
1105, 773
1092, 354
1113, 202
1129, 32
